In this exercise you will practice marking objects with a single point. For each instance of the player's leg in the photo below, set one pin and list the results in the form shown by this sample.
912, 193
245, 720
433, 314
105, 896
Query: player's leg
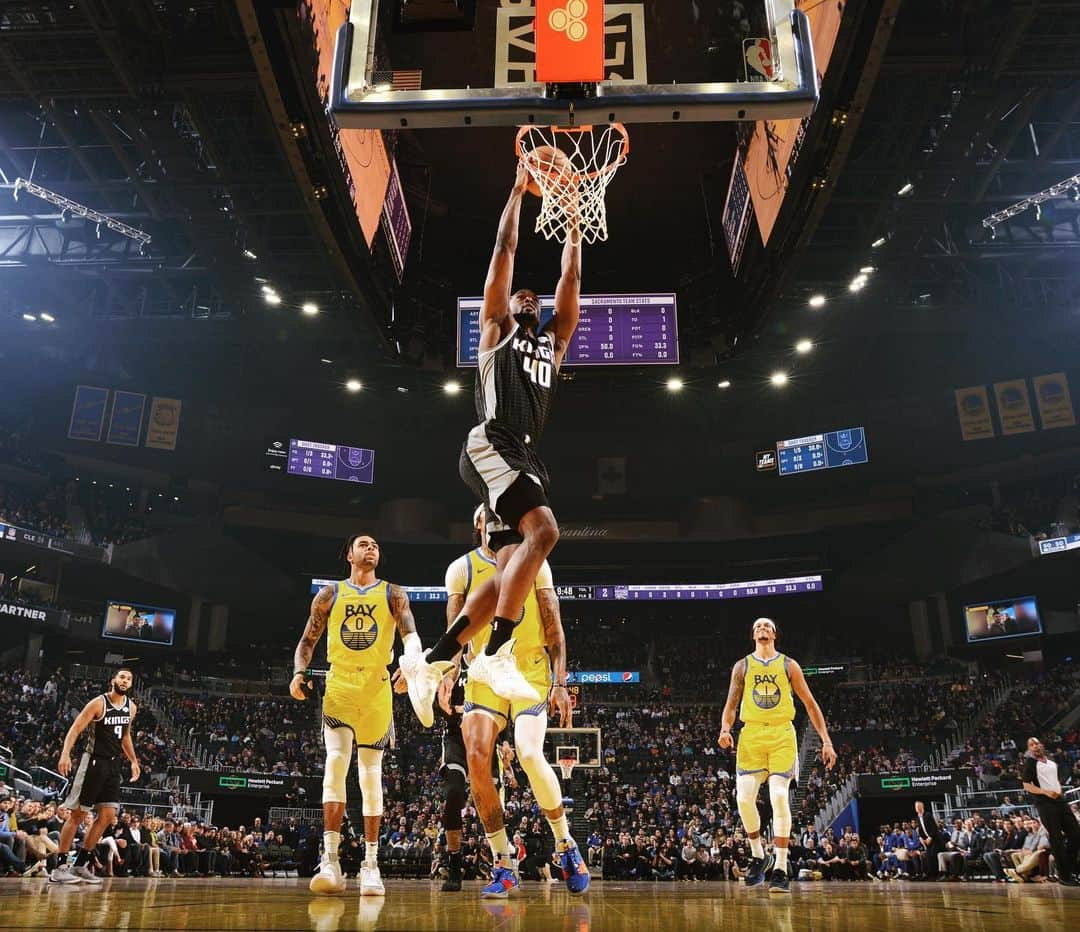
454, 782
475, 615
780, 798
480, 728
338, 742
751, 769
530, 725
106, 816
369, 772
62, 873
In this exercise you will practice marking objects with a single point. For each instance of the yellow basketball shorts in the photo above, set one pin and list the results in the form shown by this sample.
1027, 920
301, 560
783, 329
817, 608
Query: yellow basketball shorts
767, 748
362, 701
536, 668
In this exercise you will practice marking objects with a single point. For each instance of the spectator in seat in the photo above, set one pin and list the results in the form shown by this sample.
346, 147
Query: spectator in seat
1010, 843
1027, 860
952, 860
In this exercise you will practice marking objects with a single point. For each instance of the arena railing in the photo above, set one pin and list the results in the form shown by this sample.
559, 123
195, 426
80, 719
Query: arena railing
303, 814
966, 803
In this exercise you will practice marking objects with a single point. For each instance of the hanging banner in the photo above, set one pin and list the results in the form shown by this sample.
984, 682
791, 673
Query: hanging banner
88, 413
973, 409
164, 423
396, 222
125, 425
1055, 404
1014, 407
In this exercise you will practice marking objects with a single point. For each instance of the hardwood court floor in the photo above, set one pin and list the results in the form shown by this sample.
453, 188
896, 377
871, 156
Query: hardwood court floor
417, 906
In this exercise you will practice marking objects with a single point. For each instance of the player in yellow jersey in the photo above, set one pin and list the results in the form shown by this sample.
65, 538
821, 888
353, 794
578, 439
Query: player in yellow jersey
540, 655
762, 686
359, 615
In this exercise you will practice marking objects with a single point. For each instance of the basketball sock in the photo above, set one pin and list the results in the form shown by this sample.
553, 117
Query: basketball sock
501, 631
447, 647
781, 858
560, 829
757, 849
331, 843
371, 853
82, 858
500, 846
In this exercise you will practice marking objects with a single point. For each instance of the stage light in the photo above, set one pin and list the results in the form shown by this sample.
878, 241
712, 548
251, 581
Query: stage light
272, 297
48, 318
451, 387
879, 242
867, 270
803, 346
907, 188
354, 385
817, 300
310, 308
674, 384
724, 384
29, 317
248, 254
778, 378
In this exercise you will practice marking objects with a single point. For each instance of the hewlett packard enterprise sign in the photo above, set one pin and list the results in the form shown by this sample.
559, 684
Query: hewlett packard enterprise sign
915, 783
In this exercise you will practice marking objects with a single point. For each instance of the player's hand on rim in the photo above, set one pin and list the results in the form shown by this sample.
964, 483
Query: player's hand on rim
522, 177
559, 701
828, 755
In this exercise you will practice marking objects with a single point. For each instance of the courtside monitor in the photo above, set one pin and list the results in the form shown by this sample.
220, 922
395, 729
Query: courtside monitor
572, 63
147, 624
1005, 618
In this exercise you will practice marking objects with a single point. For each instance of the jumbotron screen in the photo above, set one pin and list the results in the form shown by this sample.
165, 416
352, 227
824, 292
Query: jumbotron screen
147, 624
1005, 618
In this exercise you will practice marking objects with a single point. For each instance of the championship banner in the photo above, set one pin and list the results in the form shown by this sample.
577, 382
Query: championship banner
88, 413
569, 41
1055, 404
973, 409
127, 417
164, 423
1014, 407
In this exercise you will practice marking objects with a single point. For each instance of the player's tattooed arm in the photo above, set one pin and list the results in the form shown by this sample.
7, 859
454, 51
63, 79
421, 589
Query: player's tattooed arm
813, 712
314, 629
402, 611
555, 639
735, 691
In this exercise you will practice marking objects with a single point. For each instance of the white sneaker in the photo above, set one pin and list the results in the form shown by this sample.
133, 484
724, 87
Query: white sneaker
500, 673
86, 875
371, 882
328, 879
423, 679
63, 874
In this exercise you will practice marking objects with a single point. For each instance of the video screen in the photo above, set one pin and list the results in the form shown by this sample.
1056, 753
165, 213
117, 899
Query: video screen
1005, 618
147, 624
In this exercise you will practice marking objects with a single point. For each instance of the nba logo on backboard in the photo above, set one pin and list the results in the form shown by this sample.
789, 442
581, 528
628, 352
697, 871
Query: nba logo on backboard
758, 64
765, 460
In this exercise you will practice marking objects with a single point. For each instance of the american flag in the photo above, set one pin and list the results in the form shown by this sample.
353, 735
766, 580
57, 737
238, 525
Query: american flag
408, 80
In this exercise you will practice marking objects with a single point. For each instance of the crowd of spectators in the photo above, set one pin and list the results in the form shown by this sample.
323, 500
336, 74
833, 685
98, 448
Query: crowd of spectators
36, 508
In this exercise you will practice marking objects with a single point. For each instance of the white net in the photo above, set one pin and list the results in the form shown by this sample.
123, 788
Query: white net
573, 180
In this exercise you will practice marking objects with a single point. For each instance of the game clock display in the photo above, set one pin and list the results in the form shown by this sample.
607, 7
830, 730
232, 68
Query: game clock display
613, 330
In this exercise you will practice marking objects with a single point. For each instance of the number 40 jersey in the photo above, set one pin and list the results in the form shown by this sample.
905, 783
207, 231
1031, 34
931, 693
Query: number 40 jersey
515, 383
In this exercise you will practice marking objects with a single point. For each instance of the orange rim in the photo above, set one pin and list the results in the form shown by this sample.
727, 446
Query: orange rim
588, 127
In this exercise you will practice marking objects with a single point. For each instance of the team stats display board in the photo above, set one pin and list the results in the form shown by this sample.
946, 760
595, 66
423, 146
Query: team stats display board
321, 460
822, 451
613, 330
659, 592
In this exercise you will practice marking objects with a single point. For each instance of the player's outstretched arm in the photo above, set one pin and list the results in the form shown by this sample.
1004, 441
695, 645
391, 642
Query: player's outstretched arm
735, 691
567, 295
495, 311
313, 632
555, 639
813, 710
82, 722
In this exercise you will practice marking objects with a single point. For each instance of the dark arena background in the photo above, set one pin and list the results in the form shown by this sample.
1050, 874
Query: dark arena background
829, 334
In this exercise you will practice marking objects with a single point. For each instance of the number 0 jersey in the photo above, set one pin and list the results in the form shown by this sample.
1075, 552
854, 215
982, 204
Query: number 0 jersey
515, 382
470, 570
360, 630
767, 695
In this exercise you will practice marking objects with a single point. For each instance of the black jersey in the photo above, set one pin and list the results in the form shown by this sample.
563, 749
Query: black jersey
457, 700
108, 731
515, 382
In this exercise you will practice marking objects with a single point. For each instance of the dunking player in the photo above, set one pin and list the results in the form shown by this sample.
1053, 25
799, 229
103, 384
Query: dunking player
515, 385
359, 616
96, 784
764, 682
540, 647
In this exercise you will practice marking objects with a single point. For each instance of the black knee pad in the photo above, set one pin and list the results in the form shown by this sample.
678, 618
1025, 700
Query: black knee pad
455, 800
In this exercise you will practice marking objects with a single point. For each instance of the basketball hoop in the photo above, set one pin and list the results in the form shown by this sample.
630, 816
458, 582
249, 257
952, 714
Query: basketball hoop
567, 767
572, 190
568, 758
